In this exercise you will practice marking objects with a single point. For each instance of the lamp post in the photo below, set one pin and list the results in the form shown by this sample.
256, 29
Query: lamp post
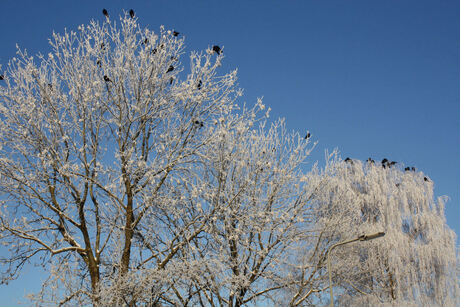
360, 238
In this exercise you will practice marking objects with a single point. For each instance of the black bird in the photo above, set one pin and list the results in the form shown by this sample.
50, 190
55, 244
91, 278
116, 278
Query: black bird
412, 169
154, 50
407, 169
102, 46
426, 179
370, 161
98, 62
308, 135
2, 77
106, 14
392, 163
131, 13
171, 80
170, 68
175, 33
199, 85
216, 49
348, 160
145, 42
107, 79
384, 161
197, 122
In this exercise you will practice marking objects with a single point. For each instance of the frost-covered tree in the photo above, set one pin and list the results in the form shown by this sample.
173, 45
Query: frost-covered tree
135, 182
98, 139
414, 264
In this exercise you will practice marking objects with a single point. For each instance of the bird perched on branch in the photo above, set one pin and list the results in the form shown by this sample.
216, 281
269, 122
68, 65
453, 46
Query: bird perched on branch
199, 85
107, 79
348, 160
175, 33
106, 14
308, 135
216, 49
370, 161
131, 13
170, 68
2, 77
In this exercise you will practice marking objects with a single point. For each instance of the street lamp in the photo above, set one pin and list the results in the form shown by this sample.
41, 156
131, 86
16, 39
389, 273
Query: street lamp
360, 238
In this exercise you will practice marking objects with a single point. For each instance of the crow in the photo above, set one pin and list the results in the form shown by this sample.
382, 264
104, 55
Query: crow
131, 13
308, 135
348, 160
107, 79
199, 85
384, 161
171, 80
392, 163
154, 50
407, 169
216, 49
106, 14
412, 169
175, 33
2, 77
170, 68
426, 179
145, 42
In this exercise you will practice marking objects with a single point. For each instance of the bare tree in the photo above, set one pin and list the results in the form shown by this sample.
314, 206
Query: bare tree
95, 140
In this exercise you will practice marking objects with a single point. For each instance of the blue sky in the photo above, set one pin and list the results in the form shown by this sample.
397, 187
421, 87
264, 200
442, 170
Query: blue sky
372, 78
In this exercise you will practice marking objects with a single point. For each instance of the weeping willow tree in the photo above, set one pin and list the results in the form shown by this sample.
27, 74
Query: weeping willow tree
414, 264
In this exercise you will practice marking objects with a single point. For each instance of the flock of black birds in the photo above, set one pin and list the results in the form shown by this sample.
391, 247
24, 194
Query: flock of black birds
215, 49
385, 164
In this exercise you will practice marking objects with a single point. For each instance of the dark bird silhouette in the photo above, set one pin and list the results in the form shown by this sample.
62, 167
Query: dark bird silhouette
392, 163
171, 80
199, 85
175, 33
216, 49
348, 160
145, 42
173, 58
308, 135
170, 68
154, 50
2, 77
384, 161
426, 179
98, 62
131, 13
370, 161
412, 169
102, 46
407, 169
106, 14
107, 79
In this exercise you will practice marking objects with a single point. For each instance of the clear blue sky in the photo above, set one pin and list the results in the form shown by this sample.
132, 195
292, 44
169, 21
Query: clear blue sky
373, 78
